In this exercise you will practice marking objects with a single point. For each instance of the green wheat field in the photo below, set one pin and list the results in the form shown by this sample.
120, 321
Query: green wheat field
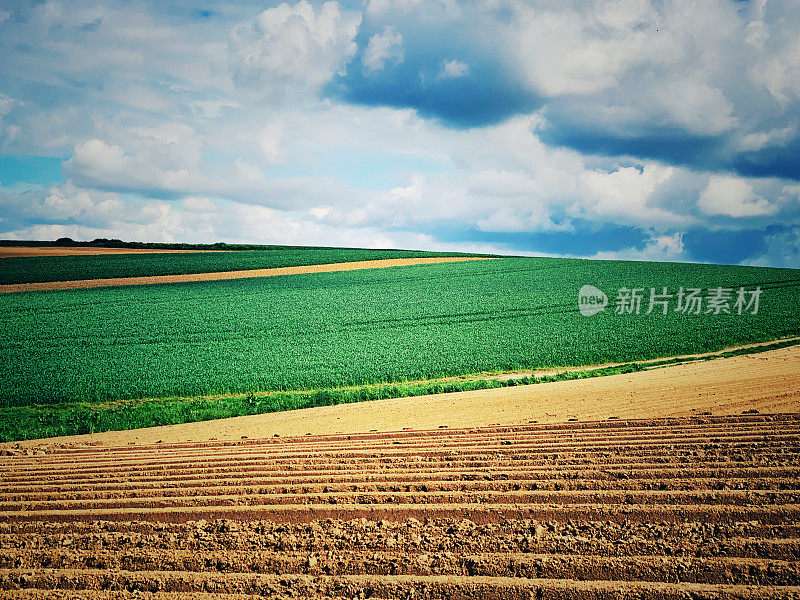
78, 361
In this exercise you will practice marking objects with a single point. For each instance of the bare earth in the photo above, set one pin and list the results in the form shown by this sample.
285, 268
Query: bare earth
665, 503
660, 509
327, 268
768, 382
9, 251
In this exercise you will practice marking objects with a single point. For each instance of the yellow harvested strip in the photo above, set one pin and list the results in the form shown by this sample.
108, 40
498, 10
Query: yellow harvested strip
327, 268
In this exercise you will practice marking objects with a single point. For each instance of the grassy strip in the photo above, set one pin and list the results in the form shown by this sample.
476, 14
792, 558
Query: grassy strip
43, 421
32, 422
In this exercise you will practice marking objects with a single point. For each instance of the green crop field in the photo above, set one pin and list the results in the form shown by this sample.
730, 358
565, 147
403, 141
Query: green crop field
64, 350
70, 268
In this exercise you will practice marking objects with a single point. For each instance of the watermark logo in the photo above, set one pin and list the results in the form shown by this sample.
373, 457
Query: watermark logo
591, 300
689, 301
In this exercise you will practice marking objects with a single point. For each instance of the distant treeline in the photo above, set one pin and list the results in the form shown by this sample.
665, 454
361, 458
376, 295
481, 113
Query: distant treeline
115, 243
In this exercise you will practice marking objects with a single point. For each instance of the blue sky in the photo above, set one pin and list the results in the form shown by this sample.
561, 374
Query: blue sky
635, 129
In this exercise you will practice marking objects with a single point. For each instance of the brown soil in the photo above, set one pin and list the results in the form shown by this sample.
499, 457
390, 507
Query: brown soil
9, 251
327, 268
690, 507
665, 502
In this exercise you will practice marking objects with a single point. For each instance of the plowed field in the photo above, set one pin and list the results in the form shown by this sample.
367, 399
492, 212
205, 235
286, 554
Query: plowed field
700, 507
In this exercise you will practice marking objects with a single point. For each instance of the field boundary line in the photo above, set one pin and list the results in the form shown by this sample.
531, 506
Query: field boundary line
650, 363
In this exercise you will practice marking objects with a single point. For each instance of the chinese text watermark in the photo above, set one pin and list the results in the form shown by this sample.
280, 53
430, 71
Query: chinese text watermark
690, 301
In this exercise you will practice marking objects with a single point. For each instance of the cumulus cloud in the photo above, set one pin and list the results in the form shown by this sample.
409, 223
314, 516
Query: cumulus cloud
81, 214
385, 47
781, 248
777, 137
503, 179
776, 50
63, 203
637, 123
678, 82
708, 85
162, 158
657, 248
626, 195
732, 197
453, 68
288, 51
270, 141
211, 109
6, 104
562, 51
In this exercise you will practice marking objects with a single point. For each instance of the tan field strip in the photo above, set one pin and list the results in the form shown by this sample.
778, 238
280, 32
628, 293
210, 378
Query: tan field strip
23, 251
251, 273
768, 382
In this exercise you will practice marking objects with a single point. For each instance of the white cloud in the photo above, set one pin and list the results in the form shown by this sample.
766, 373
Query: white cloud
695, 106
499, 179
777, 137
775, 50
193, 122
792, 192
199, 219
385, 47
6, 104
270, 141
627, 196
211, 109
164, 158
67, 202
98, 159
198, 204
657, 248
453, 69
430, 8
289, 51
63, 202
563, 52
629, 66
782, 249
733, 197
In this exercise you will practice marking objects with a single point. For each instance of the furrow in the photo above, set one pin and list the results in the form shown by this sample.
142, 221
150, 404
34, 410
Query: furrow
377, 586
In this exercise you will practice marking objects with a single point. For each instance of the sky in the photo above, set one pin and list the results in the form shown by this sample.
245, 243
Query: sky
634, 129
